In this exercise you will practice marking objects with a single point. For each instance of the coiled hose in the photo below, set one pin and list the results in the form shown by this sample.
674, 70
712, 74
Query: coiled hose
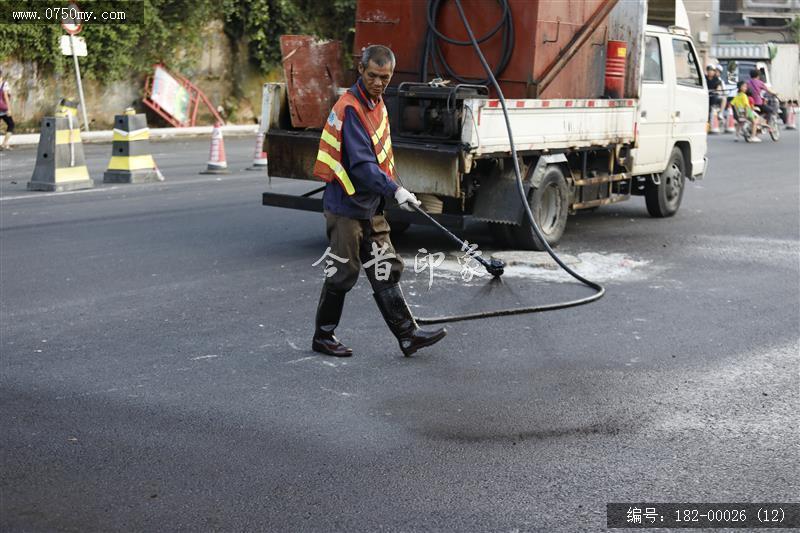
433, 54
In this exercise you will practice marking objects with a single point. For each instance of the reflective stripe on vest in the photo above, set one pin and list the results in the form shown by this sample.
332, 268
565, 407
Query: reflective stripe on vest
338, 170
329, 138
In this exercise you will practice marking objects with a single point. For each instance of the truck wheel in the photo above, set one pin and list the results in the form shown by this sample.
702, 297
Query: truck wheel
550, 205
664, 199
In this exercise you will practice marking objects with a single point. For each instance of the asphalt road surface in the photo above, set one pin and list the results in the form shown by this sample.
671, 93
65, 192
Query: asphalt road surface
157, 372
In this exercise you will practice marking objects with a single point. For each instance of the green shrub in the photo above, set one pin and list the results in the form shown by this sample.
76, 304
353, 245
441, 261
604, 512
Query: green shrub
172, 33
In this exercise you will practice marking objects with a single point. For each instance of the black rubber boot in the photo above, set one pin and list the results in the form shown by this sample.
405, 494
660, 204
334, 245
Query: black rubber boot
398, 317
329, 311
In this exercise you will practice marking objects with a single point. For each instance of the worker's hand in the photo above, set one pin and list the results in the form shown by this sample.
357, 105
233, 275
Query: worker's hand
405, 198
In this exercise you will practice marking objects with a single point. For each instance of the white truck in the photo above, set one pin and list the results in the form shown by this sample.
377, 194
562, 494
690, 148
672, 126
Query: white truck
575, 153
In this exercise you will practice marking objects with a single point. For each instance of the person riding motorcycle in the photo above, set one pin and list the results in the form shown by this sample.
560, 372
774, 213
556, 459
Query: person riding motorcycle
758, 90
744, 111
715, 87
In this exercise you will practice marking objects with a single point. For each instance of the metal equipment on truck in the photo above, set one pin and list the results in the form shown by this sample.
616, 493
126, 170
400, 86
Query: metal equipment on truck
603, 106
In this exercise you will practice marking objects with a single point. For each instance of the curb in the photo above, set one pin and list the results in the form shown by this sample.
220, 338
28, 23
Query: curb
26, 139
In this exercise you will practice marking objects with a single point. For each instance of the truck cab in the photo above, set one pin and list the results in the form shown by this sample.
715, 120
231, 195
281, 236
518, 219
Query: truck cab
673, 105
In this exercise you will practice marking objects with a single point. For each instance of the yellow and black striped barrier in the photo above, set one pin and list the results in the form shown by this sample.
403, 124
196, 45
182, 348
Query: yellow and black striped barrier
131, 160
60, 164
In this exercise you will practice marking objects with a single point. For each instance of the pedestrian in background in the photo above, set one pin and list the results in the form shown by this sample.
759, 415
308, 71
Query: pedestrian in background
356, 159
5, 112
715, 88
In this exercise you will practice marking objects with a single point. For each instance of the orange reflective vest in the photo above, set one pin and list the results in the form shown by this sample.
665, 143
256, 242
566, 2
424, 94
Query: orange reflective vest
328, 166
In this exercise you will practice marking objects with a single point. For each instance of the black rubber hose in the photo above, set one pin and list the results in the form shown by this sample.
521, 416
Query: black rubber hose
600, 291
433, 54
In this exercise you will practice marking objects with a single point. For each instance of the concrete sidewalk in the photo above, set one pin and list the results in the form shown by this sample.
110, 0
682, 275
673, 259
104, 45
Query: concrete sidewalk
27, 139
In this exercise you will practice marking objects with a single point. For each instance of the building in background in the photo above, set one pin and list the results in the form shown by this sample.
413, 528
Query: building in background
757, 21
717, 22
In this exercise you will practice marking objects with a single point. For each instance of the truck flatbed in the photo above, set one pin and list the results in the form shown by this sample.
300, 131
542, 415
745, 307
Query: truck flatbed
550, 125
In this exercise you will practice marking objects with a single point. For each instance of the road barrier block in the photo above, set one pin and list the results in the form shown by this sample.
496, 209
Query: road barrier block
131, 160
60, 163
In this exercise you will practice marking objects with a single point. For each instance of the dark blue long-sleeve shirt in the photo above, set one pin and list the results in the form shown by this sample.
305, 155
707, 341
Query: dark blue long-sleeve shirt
360, 163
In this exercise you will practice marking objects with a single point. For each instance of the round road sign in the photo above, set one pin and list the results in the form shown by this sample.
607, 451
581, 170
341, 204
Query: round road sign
71, 21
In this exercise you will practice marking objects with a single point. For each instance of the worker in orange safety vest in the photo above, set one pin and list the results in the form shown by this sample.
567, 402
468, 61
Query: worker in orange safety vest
355, 158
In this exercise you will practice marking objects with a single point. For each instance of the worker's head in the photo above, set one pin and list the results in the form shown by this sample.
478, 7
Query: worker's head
755, 74
376, 68
711, 72
742, 86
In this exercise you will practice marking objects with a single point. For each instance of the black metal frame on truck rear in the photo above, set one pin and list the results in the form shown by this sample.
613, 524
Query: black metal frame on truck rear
306, 203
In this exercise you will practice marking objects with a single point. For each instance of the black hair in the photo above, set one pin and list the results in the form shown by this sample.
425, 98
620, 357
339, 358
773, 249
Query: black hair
739, 85
378, 54
755, 73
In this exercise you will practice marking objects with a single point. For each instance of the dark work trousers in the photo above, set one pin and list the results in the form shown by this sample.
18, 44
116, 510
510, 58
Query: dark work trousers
352, 239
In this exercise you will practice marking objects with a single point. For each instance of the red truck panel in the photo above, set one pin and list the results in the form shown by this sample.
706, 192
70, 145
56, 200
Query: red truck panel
542, 31
313, 72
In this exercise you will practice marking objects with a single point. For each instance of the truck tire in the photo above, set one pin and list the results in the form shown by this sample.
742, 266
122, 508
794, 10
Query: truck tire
549, 203
664, 199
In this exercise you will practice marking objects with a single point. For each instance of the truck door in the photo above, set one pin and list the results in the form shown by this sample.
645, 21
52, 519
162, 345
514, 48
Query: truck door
655, 107
691, 99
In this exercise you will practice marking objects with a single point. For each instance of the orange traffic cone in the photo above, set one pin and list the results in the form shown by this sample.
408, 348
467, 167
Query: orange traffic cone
730, 122
259, 156
714, 120
791, 116
216, 158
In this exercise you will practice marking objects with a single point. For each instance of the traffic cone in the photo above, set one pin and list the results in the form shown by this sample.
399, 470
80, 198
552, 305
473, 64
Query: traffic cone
131, 161
791, 116
730, 122
216, 158
259, 156
714, 120
60, 164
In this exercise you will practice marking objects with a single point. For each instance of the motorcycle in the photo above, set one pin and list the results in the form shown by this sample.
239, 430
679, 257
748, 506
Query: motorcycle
768, 122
